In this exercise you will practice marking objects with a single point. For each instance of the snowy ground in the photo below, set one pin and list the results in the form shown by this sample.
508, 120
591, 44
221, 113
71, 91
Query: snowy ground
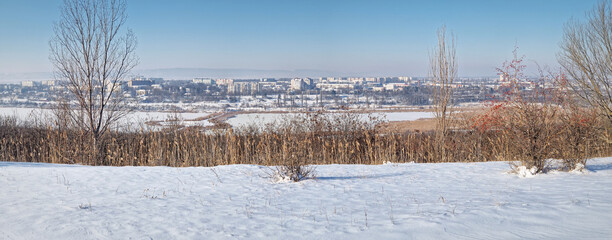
136, 120
132, 121
392, 201
267, 118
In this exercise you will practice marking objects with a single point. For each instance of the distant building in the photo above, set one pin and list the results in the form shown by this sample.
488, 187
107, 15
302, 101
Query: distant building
50, 83
301, 83
378, 89
335, 86
243, 88
395, 86
205, 81
29, 83
268, 85
356, 80
405, 79
297, 84
141, 92
309, 82
138, 78
224, 81
140, 82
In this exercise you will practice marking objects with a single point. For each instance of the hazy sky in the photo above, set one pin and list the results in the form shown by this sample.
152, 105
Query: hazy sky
375, 37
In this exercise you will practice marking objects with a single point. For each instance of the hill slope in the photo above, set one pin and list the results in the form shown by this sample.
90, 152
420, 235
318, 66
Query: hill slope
397, 201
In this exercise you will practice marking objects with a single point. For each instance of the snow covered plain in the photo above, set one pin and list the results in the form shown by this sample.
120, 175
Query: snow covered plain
392, 201
132, 121
267, 118
136, 120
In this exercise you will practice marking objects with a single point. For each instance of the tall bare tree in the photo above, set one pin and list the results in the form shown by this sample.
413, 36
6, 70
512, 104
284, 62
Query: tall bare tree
444, 72
586, 56
92, 54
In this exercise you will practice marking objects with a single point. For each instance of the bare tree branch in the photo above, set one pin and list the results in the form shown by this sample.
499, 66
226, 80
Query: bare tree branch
586, 56
92, 54
444, 72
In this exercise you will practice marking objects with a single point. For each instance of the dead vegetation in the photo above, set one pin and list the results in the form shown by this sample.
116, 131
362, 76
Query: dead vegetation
307, 139
419, 125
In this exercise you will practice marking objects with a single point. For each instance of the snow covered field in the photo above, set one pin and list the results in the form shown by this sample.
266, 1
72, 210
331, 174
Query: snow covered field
24, 114
134, 120
137, 120
392, 201
266, 118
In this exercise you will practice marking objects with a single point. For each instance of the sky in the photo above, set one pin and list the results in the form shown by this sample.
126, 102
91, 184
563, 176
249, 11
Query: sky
376, 38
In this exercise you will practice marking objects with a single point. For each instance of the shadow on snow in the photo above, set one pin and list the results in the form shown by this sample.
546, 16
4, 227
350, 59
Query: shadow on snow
35, 164
375, 176
599, 167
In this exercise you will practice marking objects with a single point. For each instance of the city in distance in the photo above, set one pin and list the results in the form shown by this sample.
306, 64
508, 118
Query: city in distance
316, 119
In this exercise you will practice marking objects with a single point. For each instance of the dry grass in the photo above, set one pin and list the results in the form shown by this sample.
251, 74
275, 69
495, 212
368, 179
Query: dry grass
301, 141
420, 125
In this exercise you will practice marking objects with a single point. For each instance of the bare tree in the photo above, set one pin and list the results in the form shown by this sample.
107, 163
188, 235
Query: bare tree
586, 56
444, 71
92, 54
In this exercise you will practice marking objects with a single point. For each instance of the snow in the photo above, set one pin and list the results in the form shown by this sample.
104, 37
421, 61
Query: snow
390, 201
137, 119
267, 118
260, 119
523, 171
580, 168
23, 114
406, 116
132, 121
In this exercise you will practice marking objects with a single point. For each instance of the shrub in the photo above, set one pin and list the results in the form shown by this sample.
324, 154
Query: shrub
579, 131
536, 120
293, 172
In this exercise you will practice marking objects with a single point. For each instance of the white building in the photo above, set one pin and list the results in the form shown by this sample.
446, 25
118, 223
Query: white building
224, 81
50, 83
297, 84
335, 86
301, 83
29, 83
205, 81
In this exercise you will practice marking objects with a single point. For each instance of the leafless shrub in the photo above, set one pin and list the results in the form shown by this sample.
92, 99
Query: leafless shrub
293, 172
444, 72
528, 119
579, 132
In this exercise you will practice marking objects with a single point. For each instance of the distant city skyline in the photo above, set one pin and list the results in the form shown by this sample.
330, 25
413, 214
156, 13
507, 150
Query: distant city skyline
366, 38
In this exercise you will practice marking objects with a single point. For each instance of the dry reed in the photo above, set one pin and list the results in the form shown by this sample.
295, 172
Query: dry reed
307, 139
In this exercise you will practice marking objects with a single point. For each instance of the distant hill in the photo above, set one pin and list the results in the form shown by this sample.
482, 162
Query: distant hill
18, 77
189, 73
